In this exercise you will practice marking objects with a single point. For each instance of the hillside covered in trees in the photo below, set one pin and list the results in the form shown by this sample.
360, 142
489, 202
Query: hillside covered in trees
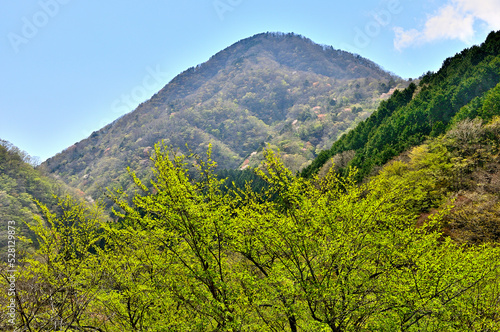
466, 86
304, 255
21, 184
277, 89
395, 228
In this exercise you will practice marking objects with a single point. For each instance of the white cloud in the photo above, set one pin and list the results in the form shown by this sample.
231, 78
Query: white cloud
454, 20
485, 10
405, 38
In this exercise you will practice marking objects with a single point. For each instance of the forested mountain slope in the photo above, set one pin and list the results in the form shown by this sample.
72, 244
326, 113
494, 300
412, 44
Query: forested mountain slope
307, 254
412, 247
465, 87
20, 185
277, 89
459, 169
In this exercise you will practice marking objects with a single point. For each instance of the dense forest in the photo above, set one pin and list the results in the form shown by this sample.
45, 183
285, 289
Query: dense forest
21, 184
276, 89
466, 86
395, 228
320, 254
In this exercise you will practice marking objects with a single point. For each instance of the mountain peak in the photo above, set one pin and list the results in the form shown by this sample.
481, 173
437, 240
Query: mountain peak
290, 50
271, 88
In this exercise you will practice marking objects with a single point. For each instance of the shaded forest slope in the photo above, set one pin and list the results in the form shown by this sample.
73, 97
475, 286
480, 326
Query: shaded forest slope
466, 86
20, 185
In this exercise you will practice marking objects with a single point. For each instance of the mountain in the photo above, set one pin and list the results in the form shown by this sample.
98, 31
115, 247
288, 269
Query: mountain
412, 246
272, 88
20, 185
466, 86
440, 140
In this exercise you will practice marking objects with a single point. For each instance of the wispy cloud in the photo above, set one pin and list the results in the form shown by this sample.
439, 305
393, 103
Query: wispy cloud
455, 20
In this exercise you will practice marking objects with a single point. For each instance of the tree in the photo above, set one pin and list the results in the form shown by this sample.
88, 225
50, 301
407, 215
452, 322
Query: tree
301, 255
188, 225
56, 286
338, 252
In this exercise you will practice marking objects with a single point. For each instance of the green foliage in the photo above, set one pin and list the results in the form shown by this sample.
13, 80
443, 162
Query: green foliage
412, 248
301, 255
485, 107
56, 286
268, 89
465, 87
427, 172
463, 166
234, 179
20, 185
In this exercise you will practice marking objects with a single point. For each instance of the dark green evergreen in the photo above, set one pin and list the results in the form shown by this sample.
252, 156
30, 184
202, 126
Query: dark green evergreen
460, 88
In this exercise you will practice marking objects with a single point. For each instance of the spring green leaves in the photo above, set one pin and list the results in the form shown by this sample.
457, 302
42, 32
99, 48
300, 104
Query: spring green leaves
300, 255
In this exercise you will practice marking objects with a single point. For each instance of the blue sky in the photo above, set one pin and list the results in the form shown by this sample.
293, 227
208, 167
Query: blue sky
69, 67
